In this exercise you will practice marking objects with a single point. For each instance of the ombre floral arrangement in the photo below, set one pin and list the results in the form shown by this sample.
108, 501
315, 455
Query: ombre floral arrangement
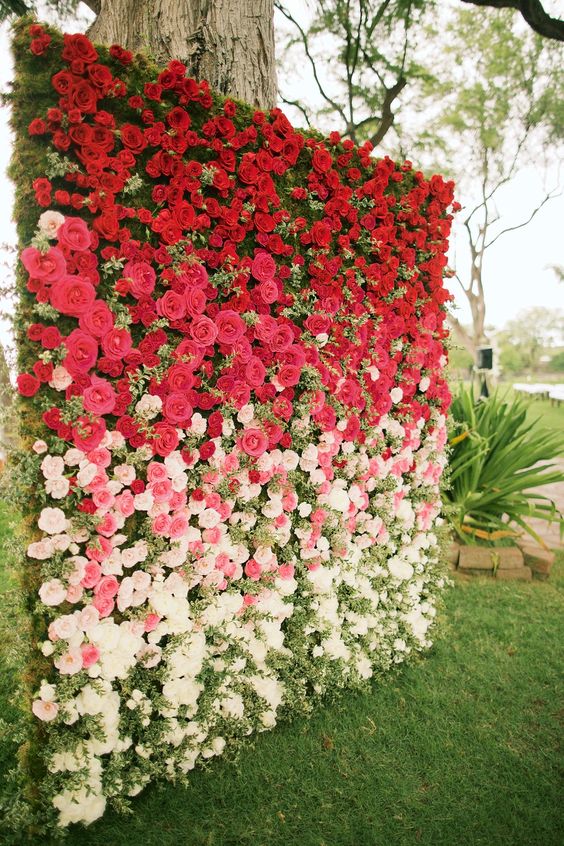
232, 338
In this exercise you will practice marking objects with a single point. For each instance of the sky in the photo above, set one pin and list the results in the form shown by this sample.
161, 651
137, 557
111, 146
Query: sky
517, 269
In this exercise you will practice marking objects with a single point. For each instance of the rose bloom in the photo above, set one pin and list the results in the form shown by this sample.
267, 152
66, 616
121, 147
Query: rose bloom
177, 410
263, 267
72, 295
90, 654
230, 326
60, 378
69, 663
88, 434
99, 397
117, 343
52, 592
82, 352
203, 330
254, 442
194, 276
45, 711
74, 234
142, 277
47, 267
57, 488
52, 466
49, 223
52, 520
288, 375
40, 447
172, 306
98, 320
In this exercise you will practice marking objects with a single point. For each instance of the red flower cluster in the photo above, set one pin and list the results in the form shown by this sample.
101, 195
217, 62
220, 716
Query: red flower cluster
244, 261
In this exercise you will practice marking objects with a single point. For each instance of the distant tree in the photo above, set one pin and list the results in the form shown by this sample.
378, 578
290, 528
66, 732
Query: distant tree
527, 337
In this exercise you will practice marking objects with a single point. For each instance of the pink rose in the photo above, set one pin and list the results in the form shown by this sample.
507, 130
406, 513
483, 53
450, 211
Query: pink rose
45, 711
100, 397
151, 622
195, 276
195, 301
125, 503
254, 442
69, 663
178, 526
156, 472
142, 277
108, 586
172, 306
104, 605
255, 371
74, 234
117, 343
98, 320
72, 295
253, 569
161, 524
203, 330
82, 352
230, 327
318, 324
92, 574
90, 654
48, 267
263, 267
108, 526
268, 291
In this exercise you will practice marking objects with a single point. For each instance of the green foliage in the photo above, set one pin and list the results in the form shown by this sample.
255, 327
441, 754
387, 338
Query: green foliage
557, 362
498, 458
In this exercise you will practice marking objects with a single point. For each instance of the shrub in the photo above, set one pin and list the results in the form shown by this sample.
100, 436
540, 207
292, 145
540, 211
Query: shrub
497, 461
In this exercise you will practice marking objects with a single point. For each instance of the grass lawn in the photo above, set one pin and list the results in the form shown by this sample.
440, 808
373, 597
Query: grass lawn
459, 748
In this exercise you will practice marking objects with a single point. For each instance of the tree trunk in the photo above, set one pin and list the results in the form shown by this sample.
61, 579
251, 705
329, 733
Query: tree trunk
230, 43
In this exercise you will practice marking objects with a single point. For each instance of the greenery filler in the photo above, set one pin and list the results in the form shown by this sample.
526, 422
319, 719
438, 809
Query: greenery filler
231, 343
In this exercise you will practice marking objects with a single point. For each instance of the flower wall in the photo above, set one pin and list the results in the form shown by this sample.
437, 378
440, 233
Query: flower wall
231, 342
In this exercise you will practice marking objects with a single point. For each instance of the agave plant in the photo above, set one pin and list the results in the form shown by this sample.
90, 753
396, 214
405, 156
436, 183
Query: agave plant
497, 461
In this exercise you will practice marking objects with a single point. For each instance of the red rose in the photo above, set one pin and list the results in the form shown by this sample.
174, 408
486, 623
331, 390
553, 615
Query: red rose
318, 324
72, 295
180, 377
117, 343
207, 450
322, 161
263, 267
82, 350
172, 306
98, 320
320, 234
195, 276
51, 338
203, 330
281, 339
83, 97
48, 267
177, 410
132, 138
254, 442
100, 397
78, 46
28, 385
288, 375
37, 127
88, 434
74, 234
165, 439
230, 327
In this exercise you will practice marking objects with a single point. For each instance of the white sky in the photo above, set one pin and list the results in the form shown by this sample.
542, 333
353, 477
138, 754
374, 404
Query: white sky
516, 270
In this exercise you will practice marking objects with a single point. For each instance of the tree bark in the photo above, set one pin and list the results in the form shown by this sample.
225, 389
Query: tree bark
230, 43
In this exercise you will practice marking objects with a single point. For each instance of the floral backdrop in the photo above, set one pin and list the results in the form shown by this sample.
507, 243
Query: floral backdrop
231, 344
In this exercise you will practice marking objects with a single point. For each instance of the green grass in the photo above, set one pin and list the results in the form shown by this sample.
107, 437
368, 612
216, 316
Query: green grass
460, 748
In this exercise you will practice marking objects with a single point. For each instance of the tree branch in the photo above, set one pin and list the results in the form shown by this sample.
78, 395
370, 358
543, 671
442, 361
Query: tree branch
533, 12
388, 116
535, 211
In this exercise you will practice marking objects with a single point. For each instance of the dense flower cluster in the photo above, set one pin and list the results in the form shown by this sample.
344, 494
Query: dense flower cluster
238, 341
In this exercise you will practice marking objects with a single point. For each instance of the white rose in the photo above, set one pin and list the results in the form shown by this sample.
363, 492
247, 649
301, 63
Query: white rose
60, 378
52, 592
52, 520
49, 223
396, 395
